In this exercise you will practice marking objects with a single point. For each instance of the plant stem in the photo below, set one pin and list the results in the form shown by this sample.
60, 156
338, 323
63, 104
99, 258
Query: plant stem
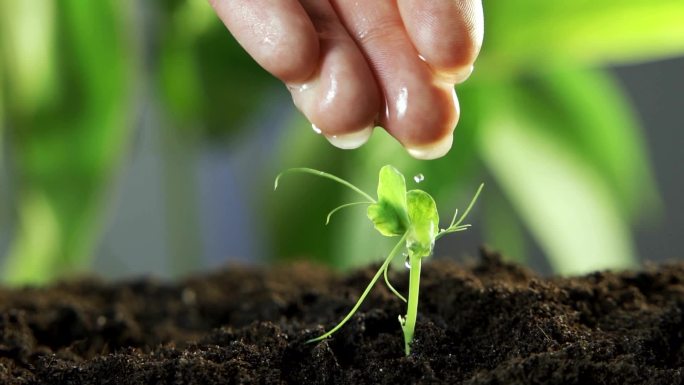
344, 206
409, 323
389, 285
470, 206
323, 174
389, 259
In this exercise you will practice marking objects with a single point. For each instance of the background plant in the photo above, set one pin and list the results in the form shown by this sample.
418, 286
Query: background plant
550, 129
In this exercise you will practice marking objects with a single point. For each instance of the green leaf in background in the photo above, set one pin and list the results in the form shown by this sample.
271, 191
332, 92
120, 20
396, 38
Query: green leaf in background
28, 51
4, 193
424, 221
67, 146
566, 204
526, 34
2, 116
503, 229
599, 125
37, 244
389, 215
206, 80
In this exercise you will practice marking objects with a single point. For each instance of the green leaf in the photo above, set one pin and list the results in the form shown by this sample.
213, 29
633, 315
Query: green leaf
598, 123
205, 78
2, 112
527, 34
502, 228
389, 214
569, 208
424, 221
32, 258
67, 146
28, 58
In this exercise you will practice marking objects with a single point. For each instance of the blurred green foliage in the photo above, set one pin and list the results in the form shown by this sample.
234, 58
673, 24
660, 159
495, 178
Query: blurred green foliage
550, 128
67, 92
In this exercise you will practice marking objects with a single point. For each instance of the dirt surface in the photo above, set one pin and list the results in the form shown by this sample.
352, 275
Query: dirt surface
489, 323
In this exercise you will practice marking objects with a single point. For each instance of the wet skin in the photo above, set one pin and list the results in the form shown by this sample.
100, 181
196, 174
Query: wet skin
352, 64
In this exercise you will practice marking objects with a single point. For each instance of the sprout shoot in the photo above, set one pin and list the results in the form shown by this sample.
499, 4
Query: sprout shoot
412, 216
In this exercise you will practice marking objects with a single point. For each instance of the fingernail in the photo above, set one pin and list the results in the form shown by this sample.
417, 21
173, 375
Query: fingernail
463, 75
450, 77
299, 87
350, 140
301, 95
433, 150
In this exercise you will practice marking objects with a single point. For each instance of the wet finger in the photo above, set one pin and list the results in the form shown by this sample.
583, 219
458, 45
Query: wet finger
420, 110
278, 34
341, 99
446, 33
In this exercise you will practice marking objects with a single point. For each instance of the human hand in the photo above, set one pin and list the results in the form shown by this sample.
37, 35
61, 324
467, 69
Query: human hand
350, 64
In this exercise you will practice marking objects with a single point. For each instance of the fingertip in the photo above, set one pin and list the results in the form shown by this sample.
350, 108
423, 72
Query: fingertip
429, 117
442, 130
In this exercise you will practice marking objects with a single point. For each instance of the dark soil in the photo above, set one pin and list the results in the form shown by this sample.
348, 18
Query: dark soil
489, 323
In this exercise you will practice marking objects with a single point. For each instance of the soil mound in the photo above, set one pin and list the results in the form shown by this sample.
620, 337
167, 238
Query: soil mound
488, 323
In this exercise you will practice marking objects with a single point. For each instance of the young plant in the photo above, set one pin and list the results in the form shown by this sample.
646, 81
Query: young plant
412, 216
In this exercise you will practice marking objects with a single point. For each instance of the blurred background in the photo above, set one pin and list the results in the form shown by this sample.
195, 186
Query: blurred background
138, 138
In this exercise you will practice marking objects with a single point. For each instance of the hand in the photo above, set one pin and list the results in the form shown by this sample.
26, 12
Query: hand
350, 64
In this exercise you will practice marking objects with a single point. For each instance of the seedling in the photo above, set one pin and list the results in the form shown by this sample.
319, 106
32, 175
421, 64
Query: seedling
412, 216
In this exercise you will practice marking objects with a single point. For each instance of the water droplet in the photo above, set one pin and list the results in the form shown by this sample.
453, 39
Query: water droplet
401, 104
407, 262
268, 41
298, 87
419, 178
316, 129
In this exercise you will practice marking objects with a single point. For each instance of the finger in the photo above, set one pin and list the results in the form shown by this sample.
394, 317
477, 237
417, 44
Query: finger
342, 98
276, 33
446, 33
421, 112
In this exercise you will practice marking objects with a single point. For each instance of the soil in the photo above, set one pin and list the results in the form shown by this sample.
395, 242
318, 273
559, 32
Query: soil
485, 323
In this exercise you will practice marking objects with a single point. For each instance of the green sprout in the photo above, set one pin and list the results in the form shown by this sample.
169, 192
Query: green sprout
412, 216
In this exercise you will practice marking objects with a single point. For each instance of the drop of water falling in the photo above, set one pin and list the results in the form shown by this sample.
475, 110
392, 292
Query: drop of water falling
407, 261
419, 178
316, 129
